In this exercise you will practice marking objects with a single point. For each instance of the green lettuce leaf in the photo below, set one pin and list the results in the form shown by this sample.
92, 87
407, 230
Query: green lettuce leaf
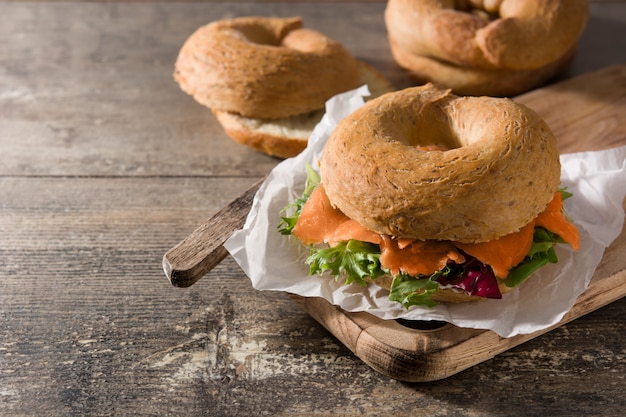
287, 223
354, 260
565, 194
541, 253
409, 291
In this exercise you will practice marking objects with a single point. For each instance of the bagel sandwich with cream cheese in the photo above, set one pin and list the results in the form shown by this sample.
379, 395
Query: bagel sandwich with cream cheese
370, 216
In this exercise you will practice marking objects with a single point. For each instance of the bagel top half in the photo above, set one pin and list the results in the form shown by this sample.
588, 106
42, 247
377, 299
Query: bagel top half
264, 67
500, 168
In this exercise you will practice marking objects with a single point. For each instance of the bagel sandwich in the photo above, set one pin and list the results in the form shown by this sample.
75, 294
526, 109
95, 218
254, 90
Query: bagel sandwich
420, 260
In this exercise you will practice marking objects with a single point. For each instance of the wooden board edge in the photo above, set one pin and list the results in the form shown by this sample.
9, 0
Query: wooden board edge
440, 353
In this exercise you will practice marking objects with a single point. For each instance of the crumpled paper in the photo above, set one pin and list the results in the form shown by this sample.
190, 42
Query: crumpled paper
275, 262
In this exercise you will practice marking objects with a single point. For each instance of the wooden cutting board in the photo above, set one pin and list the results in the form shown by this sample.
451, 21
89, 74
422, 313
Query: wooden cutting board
585, 113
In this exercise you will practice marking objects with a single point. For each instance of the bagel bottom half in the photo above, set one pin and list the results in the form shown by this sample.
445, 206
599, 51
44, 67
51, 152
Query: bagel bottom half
287, 137
473, 81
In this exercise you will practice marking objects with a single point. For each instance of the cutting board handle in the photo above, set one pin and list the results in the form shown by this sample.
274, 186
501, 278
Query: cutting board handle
202, 250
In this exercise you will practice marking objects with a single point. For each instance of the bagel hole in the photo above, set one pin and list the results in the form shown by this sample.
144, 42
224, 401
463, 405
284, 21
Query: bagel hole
259, 35
432, 131
484, 9
303, 40
425, 126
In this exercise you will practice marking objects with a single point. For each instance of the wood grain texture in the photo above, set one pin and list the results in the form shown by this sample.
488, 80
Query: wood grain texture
75, 92
105, 165
587, 112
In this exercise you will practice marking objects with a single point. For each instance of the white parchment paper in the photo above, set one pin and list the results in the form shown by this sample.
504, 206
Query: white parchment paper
275, 262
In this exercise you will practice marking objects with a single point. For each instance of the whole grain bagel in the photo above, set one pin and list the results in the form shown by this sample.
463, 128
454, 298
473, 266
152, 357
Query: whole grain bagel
488, 34
476, 81
500, 170
263, 67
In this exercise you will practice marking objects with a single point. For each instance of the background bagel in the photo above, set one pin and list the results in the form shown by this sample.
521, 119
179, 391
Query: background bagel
373, 171
267, 79
253, 66
526, 42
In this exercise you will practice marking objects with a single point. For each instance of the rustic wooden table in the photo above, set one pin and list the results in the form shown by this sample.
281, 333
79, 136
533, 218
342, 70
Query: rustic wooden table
105, 164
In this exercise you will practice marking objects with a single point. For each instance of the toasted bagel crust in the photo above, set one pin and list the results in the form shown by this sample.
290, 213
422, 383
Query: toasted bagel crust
506, 34
263, 67
501, 170
485, 47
